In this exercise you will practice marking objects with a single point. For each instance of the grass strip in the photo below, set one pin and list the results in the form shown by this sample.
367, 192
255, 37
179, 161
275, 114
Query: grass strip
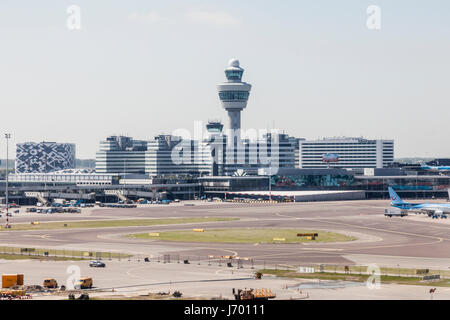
244, 235
355, 277
110, 223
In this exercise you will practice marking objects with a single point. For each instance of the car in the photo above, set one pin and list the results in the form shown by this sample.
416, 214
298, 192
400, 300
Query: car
97, 264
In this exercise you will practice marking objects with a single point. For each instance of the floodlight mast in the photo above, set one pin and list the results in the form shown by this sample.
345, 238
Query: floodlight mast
7, 137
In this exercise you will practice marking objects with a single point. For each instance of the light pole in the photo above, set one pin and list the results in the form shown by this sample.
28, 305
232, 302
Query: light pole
7, 137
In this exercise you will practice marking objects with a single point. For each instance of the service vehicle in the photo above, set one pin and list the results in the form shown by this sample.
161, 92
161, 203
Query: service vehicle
85, 283
50, 283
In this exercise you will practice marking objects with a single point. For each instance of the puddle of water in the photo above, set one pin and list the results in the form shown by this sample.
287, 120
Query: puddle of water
328, 285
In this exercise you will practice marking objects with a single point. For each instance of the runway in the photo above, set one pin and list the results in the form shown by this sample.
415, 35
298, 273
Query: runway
379, 238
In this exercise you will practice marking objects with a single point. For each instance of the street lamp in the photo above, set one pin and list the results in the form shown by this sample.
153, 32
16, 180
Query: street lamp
7, 137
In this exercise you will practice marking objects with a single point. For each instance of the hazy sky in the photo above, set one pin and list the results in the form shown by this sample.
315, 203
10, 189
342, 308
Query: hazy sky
143, 68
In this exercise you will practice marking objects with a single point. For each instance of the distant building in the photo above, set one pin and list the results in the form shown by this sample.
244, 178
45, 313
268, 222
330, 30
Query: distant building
165, 155
119, 154
44, 157
273, 150
171, 155
295, 142
246, 156
168, 155
353, 153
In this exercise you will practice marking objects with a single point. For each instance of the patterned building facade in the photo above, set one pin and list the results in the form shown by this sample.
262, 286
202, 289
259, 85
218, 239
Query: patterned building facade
44, 157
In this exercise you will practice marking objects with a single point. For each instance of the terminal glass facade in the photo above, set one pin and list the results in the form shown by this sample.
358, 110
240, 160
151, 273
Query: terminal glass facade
311, 181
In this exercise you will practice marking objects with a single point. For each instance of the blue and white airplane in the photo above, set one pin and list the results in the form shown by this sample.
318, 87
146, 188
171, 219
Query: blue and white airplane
440, 169
432, 209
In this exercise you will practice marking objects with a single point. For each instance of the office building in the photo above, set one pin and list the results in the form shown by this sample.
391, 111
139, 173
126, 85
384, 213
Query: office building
171, 155
246, 156
165, 155
120, 154
350, 153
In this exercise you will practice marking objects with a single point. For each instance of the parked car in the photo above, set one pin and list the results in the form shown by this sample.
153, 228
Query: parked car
97, 263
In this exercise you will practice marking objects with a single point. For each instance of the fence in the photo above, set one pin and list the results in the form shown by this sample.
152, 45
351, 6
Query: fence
221, 261
58, 254
387, 271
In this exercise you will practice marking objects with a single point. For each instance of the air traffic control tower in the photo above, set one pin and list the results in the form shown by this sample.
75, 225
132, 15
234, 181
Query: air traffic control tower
234, 94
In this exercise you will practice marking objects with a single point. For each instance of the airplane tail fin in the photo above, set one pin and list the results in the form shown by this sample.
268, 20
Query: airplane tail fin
395, 199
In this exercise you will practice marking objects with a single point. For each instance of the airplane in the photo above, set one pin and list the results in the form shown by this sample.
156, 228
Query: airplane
434, 210
440, 169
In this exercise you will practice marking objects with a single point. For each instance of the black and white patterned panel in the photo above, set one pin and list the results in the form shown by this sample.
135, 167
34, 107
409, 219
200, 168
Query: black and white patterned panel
44, 157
